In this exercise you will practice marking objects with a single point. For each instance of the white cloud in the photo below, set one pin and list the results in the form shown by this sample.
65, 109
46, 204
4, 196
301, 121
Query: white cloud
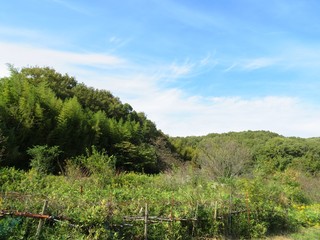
228, 69
206, 60
180, 70
302, 56
182, 116
173, 111
292, 55
25, 55
115, 40
72, 6
257, 63
187, 69
18, 32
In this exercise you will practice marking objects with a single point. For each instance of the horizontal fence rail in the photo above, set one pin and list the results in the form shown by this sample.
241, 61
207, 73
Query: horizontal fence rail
219, 213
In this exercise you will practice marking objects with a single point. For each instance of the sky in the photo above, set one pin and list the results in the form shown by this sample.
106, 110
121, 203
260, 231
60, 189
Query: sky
193, 67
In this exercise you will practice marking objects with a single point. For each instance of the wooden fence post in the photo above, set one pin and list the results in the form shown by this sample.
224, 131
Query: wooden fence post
171, 217
248, 208
215, 211
41, 221
146, 222
230, 211
195, 220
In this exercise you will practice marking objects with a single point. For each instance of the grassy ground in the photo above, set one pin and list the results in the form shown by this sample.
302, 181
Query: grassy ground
308, 233
312, 233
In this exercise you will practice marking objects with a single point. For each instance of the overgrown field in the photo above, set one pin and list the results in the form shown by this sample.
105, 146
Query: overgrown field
93, 201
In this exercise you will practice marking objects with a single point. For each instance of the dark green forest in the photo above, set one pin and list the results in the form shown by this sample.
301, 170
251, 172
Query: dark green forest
96, 160
40, 107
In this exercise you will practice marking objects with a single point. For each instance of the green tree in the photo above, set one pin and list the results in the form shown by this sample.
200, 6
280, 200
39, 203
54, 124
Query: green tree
62, 85
98, 162
136, 157
39, 106
72, 128
100, 129
102, 100
27, 115
279, 153
44, 159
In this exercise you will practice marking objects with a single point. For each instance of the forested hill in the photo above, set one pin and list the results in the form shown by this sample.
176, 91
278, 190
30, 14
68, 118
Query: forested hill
237, 153
51, 114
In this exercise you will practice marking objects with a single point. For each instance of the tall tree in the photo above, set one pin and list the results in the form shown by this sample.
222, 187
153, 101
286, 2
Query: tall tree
72, 128
62, 85
223, 158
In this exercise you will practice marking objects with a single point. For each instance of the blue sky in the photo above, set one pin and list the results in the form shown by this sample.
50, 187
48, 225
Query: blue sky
194, 67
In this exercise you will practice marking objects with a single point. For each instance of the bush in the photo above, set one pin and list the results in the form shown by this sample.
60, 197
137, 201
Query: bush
44, 159
99, 165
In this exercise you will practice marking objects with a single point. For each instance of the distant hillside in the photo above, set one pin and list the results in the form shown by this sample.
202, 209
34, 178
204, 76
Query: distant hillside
268, 151
41, 107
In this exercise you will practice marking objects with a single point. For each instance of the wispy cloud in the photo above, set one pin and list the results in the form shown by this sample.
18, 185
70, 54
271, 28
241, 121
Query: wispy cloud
191, 16
176, 71
29, 36
115, 40
190, 69
27, 55
228, 69
299, 55
294, 56
18, 32
182, 116
206, 60
257, 63
72, 6
175, 112
154, 62
251, 64
180, 70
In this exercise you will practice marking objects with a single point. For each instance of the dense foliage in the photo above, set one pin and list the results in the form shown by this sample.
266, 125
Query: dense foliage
95, 203
82, 150
39, 106
266, 151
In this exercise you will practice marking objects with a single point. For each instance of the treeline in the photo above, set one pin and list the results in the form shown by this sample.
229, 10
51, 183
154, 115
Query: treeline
237, 153
46, 114
41, 107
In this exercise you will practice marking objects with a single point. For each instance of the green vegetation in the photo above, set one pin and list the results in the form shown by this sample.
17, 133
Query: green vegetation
40, 107
306, 234
98, 162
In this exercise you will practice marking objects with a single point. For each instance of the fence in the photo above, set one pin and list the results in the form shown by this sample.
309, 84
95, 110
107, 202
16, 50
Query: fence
220, 214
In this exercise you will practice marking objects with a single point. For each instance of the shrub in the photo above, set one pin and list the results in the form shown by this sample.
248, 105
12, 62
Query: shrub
44, 158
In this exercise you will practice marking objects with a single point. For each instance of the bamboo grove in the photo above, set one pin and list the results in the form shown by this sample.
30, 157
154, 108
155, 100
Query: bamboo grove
40, 107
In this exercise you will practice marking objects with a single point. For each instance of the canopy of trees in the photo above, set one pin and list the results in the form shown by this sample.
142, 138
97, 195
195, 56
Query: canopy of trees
234, 153
41, 107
